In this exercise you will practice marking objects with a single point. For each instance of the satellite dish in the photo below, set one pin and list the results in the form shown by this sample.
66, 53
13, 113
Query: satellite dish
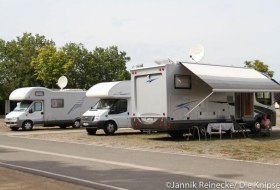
62, 82
196, 53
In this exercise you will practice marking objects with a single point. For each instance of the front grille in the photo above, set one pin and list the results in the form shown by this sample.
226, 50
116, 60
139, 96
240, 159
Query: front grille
87, 118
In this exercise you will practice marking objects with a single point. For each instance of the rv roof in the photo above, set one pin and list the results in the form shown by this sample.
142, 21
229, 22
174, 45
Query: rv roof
26, 92
232, 79
118, 89
142, 68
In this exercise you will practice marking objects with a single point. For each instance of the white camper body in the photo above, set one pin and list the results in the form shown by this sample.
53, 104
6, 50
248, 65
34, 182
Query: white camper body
39, 105
112, 110
175, 97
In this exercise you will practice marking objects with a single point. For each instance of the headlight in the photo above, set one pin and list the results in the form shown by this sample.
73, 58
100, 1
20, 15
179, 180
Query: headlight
14, 119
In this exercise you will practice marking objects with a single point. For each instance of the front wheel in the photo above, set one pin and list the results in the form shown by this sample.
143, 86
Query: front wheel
76, 124
27, 126
110, 128
91, 131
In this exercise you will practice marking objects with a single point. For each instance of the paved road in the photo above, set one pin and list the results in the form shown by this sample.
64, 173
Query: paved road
114, 168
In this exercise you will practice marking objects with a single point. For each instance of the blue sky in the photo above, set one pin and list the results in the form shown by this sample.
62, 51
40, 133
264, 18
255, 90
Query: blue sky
231, 31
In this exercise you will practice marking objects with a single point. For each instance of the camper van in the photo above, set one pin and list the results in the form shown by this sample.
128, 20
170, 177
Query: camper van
176, 97
112, 110
42, 106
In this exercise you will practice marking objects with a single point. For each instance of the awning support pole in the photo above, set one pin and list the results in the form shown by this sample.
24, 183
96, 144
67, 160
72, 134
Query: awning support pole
199, 103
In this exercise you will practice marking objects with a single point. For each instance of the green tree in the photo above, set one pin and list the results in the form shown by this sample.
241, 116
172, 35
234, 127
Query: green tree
15, 59
79, 74
110, 64
50, 64
259, 66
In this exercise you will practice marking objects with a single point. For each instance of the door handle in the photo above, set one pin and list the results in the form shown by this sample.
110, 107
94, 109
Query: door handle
127, 113
42, 113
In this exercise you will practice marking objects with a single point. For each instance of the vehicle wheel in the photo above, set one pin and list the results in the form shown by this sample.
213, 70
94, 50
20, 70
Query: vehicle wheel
76, 124
14, 128
27, 126
176, 134
91, 131
256, 127
110, 128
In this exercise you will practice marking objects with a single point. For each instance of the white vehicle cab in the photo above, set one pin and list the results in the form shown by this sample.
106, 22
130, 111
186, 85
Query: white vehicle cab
39, 105
112, 110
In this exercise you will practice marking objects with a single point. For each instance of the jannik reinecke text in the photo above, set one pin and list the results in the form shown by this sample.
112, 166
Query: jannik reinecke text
221, 185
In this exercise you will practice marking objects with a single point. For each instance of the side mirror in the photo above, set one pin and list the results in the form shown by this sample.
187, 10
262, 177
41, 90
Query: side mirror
30, 111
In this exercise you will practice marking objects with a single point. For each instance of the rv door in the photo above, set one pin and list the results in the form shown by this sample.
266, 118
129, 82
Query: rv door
149, 95
120, 114
36, 112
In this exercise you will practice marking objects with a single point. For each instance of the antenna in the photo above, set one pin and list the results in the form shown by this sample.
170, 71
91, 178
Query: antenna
196, 53
164, 61
62, 82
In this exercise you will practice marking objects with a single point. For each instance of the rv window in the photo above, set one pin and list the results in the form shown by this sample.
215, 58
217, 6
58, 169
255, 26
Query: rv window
123, 106
39, 93
264, 98
182, 81
57, 103
37, 106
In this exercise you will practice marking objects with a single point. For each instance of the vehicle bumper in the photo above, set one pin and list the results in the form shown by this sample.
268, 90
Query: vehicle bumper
93, 124
10, 124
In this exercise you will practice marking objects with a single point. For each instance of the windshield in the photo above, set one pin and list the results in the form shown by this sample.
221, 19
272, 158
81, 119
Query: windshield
105, 104
22, 106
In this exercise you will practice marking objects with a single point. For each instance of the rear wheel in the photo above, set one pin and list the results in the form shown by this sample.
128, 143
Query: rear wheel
76, 124
91, 131
14, 128
176, 134
27, 126
110, 128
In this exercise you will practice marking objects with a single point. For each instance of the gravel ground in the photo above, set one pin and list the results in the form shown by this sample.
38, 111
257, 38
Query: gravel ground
16, 180
257, 149
266, 149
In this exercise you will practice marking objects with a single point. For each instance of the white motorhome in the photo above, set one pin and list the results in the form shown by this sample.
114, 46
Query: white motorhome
112, 110
39, 105
175, 97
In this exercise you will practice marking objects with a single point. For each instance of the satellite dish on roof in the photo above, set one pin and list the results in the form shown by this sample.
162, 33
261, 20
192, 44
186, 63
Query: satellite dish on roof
62, 82
196, 53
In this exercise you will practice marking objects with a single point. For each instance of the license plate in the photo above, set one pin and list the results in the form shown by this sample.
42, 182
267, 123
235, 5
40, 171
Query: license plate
150, 119
85, 124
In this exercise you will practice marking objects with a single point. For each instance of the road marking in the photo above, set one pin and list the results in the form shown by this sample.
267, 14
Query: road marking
61, 176
123, 164
153, 151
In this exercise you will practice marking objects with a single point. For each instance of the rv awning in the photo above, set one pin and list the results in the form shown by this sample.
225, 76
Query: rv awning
232, 79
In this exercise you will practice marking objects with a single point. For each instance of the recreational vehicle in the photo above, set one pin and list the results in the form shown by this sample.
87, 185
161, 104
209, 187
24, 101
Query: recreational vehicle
176, 97
112, 110
38, 105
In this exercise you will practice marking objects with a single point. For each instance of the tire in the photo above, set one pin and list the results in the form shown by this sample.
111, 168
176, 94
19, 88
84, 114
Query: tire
91, 131
27, 125
76, 124
110, 128
14, 128
176, 134
257, 127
